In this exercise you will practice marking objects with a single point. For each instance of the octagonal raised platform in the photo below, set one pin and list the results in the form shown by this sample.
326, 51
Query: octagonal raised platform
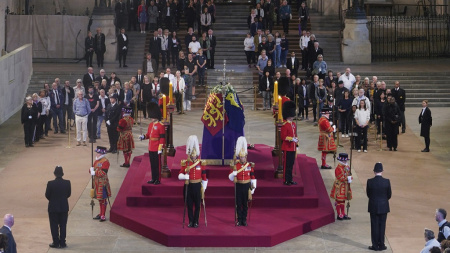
278, 212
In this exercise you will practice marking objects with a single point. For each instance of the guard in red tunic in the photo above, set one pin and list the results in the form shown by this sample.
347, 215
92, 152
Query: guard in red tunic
326, 140
341, 190
289, 141
126, 142
193, 172
102, 190
243, 175
156, 135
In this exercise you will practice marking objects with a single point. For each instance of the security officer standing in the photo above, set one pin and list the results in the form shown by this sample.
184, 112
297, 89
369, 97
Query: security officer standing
112, 115
57, 193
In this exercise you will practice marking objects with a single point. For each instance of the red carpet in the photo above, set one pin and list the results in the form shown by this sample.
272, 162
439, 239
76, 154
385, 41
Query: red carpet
278, 212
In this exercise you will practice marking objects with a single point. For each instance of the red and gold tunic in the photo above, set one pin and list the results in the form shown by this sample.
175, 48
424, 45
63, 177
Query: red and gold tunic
341, 190
288, 132
326, 139
197, 170
101, 180
125, 142
156, 135
245, 172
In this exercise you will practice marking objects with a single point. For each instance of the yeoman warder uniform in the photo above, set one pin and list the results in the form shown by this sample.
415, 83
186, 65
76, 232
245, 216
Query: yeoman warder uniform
125, 129
102, 190
326, 142
341, 190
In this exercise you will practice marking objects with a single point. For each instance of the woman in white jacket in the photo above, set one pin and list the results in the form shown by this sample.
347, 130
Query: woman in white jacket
249, 48
362, 117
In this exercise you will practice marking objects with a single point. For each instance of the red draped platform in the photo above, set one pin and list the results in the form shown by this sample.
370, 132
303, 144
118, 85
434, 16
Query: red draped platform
278, 212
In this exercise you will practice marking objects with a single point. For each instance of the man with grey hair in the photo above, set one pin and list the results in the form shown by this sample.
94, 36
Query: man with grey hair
348, 78
8, 223
79, 87
444, 225
430, 241
81, 109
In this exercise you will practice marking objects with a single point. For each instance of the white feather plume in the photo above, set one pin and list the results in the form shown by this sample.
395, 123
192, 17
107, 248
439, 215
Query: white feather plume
192, 143
241, 144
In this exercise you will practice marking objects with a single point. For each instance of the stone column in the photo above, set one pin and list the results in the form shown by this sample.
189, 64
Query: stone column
356, 48
331, 8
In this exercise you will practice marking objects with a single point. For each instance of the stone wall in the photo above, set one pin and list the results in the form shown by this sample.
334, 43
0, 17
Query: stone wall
16, 70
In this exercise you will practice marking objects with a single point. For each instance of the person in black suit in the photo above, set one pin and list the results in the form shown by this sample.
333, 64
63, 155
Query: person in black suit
122, 41
303, 100
379, 192
425, 121
101, 77
89, 49
120, 14
99, 47
392, 116
56, 101
88, 78
212, 48
69, 95
103, 104
400, 97
155, 48
292, 64
313, 53
140, 77
57, 193
112, 120
132, 6
8, 222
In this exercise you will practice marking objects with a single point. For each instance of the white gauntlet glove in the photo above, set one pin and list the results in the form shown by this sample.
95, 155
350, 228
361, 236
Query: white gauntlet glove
92, 171
349, 178
253, 185
204, 184
142, 137
108, 122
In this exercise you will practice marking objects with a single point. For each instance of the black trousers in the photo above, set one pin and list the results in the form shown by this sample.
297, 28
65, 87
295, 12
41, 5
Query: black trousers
391, 135
211, 61
377, 229
178, 100
289, 159
165, 55
304, 59
427, 142
314, 103
113, 136
40, 126
100, 57
89, 55
194, 197
174, 56
67, 110
156, 57
92, 125
303, 110
250, 57
362, 135
132, 21
123, 56
154, 164
242, 201
285, 25
28, 130
58, 222
344, 121
144, 109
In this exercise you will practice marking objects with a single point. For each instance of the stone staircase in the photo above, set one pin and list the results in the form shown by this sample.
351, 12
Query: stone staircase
418, 86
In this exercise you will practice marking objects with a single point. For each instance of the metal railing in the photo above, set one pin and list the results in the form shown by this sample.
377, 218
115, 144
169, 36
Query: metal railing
409, 37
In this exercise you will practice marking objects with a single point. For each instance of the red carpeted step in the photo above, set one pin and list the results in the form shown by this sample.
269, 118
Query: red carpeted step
274, 218
224, 187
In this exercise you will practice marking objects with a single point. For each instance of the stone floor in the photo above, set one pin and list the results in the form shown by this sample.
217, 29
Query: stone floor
419, 181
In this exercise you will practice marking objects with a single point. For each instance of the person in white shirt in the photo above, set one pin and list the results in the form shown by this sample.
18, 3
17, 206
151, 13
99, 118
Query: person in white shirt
178, 89
362, 117
249, 48
348, 79
170, 76
360, 97
165, 49
304, 39
104, 101
430, 241
194, 45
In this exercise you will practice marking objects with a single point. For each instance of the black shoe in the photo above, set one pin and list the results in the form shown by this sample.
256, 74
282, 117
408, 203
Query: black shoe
244, 224
151, 182
293, 183
125, 66
109, 150
191, 225
287, 183
325, 167
157, 182
53, 245
395, 149
26, 145
403, 131
97, 217
238, 224
55, 132
346, 217
373, 248
114, 151
125, 165
382, 248
390, 149
63, 132
195, 225
31, 145
339, 218
63, 245
425, 150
